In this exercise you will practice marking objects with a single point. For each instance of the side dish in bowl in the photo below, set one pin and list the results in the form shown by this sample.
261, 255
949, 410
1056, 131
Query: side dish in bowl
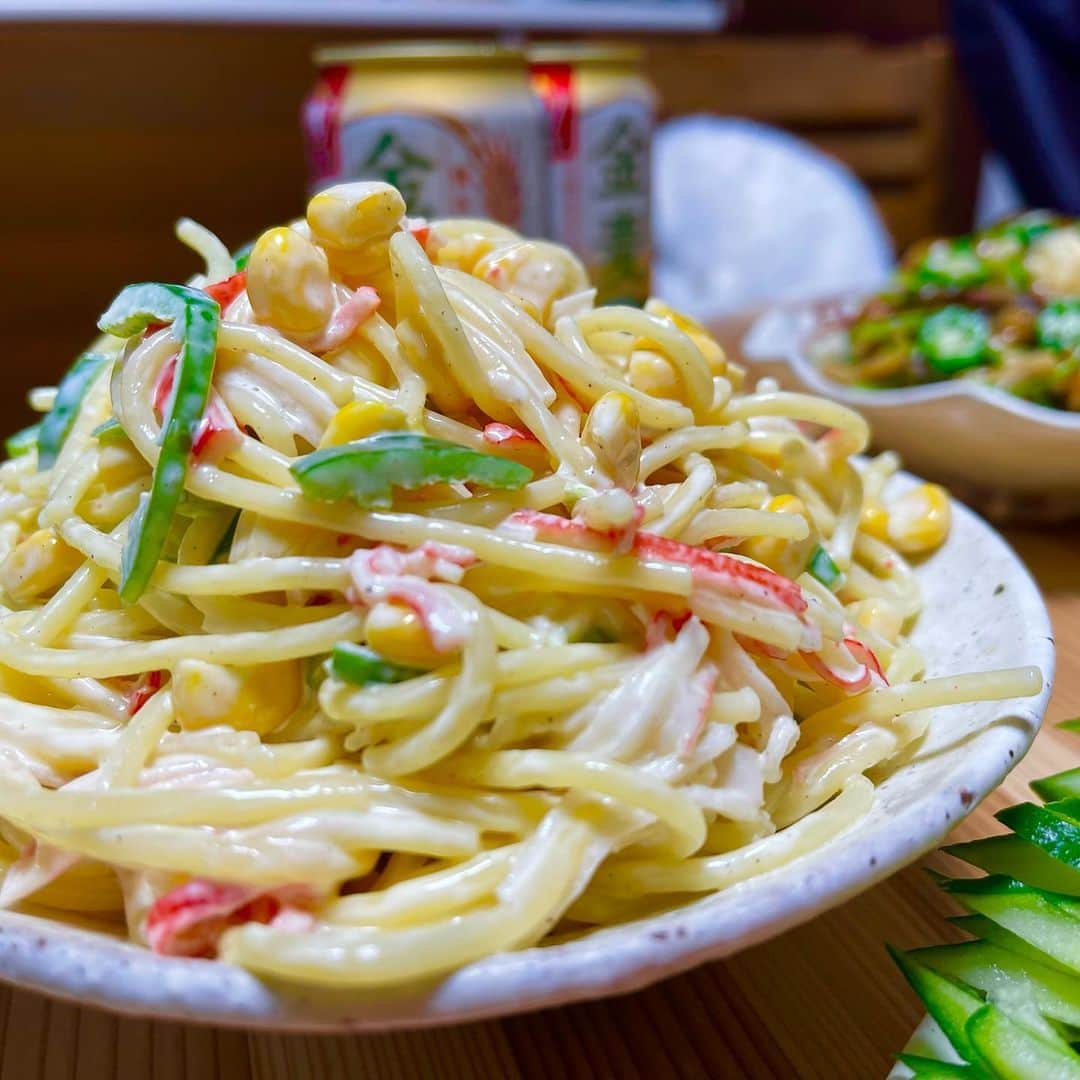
1000, 307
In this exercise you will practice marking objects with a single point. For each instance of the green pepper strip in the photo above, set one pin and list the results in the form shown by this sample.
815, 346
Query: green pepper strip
109, 431
225, 543
952, 263
197, 319
367, 471
1058, 325
56, 427
357, 664
954, 338
242, 254
22, 442
824, 569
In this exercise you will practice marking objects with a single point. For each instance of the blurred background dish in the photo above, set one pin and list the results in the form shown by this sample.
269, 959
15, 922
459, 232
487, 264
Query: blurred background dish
1009, 457
999, 307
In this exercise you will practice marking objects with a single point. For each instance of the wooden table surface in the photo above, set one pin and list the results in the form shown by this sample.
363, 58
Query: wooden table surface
821, 1001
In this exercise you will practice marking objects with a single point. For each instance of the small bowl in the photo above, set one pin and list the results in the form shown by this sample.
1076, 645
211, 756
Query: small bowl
1008, 456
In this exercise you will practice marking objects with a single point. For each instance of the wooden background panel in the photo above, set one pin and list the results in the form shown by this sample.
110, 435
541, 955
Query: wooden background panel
836, 79
111, 133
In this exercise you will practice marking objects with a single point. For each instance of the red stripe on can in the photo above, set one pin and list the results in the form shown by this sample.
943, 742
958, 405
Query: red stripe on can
320, 118
554, 84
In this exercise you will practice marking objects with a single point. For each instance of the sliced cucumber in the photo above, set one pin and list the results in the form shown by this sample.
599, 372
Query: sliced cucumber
1005, 975
1048, 827
1062, 785
1067, 808
1040, 918
980, 926
1012, 1052
1016, 857
928, 1069
949, 1003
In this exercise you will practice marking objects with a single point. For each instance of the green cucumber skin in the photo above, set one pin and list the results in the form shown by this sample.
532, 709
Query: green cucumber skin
979, 926
1018, 858
1012, 1052
1037, 917
948, 1002
928, 1069
1024, 964
1062, 785
1048, 828
989, 968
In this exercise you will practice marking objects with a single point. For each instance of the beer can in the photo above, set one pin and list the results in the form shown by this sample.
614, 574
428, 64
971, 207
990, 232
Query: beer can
453, 125
601, 112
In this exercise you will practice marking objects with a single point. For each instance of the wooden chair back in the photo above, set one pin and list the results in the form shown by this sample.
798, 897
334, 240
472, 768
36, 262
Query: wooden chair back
885, 111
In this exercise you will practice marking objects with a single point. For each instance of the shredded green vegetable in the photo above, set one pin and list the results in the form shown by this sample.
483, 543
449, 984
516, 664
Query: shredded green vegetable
195, 319
111, 431
57, 425
1058, 325
954, 338
367, 471
22, 442
242, 254
822, 567
357, 664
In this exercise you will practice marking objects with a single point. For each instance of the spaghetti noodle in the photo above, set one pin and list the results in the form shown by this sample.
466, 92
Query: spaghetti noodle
385, 604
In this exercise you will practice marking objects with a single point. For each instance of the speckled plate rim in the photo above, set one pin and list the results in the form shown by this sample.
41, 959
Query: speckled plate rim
793, 328
92, 969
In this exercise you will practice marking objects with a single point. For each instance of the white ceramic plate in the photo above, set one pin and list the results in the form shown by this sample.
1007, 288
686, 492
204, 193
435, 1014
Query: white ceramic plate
982, 611
1011, 456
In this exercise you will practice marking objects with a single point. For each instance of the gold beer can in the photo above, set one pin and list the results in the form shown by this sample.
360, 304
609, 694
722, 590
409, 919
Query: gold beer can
601, 112
453, 125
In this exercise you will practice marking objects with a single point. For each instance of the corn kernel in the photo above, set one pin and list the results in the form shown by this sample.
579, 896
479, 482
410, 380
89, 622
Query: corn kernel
349, 216
245, 698
607, 510
359, 419
535, 272
874, 519
39, 564
654, 374
919, 521
770, 549
397, 633
878, 615
786, 504
709, 347
462, 242
613, 433
288, 282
